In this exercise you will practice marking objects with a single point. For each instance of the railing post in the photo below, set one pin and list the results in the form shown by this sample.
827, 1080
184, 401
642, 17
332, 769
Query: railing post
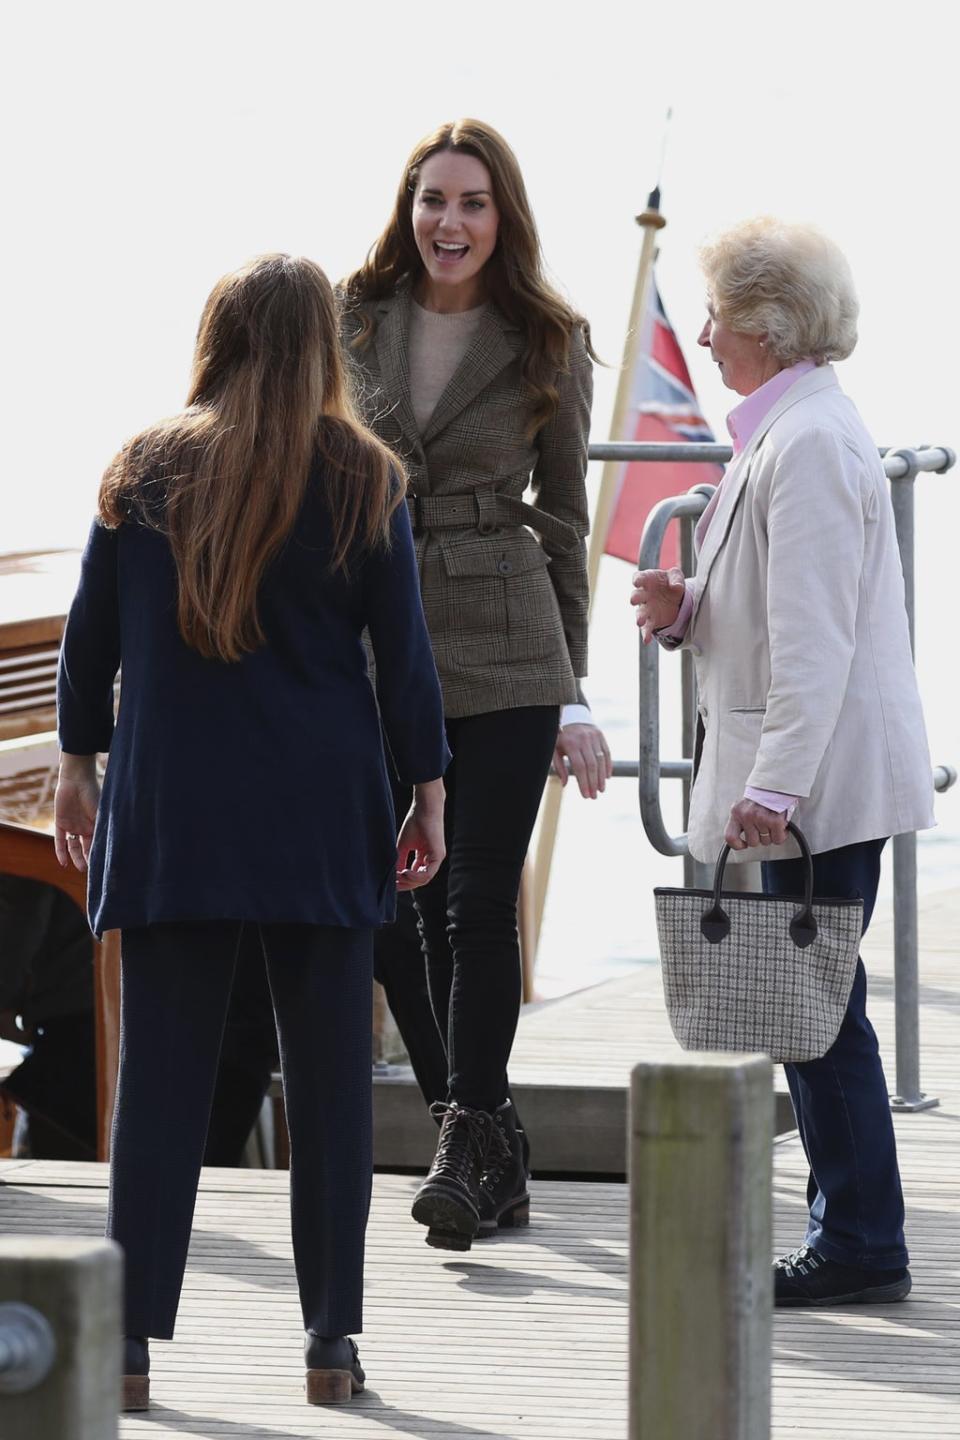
695, 875
650, 771
906, 957
701, 1287
60, 1332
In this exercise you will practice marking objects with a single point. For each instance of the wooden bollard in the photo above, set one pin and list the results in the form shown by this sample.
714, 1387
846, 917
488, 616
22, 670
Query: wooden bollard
701, 1285
71, 1288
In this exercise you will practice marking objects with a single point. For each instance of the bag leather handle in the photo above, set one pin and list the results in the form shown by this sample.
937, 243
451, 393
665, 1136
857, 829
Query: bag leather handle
715, 922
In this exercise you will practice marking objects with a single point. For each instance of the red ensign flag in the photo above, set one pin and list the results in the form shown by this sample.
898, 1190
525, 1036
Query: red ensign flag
662, 405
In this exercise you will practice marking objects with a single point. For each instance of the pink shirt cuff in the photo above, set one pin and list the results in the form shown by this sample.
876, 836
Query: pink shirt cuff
678, 629
772, 799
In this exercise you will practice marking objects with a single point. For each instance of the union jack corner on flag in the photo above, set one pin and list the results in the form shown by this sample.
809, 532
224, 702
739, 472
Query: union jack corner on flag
662, 405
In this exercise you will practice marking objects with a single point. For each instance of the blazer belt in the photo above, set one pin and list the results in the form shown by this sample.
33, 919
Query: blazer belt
487, 511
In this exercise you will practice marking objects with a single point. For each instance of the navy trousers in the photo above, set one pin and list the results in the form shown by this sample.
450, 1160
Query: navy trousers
840, 1100
175, 988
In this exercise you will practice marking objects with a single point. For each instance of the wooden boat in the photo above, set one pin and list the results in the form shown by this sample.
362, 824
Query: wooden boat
35, 593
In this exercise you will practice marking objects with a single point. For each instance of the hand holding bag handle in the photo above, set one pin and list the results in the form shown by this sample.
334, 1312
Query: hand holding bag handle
715, 922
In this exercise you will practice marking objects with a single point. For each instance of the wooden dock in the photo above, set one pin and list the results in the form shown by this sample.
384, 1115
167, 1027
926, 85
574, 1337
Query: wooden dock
524, 1337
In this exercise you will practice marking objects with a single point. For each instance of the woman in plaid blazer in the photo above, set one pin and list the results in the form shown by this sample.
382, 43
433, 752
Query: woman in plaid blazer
478, 375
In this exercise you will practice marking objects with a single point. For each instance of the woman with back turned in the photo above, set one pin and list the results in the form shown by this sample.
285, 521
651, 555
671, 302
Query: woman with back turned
240, 551
478, 374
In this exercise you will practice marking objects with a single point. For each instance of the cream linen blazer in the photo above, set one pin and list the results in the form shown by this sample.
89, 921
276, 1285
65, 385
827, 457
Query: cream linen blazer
800, 637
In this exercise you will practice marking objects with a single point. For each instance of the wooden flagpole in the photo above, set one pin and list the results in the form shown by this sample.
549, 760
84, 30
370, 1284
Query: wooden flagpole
650, 221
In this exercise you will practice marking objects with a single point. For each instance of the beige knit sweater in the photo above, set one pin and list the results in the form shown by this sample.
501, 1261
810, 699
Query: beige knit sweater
435, 346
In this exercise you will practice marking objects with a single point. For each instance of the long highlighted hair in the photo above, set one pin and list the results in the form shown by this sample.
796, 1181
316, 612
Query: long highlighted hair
514, 274
226, 478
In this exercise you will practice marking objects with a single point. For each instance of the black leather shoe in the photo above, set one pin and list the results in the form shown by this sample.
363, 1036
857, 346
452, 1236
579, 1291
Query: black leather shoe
448, 1201
504, 1200
334, 1372
136, 1373
804, 1277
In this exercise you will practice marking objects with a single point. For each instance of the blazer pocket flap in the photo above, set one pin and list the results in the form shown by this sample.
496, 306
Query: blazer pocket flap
493, 560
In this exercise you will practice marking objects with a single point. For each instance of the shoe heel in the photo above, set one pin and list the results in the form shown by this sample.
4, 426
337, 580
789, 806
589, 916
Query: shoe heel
329, 1387
515, 1218
136, 1392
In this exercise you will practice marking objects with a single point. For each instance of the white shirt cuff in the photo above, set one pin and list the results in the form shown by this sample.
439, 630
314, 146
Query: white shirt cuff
575, 715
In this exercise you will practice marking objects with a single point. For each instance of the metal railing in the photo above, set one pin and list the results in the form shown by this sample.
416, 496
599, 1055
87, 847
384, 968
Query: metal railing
902, 467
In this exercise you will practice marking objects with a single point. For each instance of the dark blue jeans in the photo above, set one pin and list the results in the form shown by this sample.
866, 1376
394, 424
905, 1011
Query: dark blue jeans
175, 989
840, 1100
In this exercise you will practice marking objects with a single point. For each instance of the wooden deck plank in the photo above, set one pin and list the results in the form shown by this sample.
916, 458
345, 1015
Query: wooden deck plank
524, 1336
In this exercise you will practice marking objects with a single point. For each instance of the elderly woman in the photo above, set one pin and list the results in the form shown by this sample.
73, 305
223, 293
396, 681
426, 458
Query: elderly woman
808, 698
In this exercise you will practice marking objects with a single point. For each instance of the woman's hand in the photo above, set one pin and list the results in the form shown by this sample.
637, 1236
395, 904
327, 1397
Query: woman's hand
751, 824
420, 845
658, 595
75, 808
588, 753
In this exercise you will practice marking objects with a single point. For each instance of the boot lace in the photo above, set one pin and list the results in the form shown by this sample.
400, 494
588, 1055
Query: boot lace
800, 1261
499, 1158
463, 1142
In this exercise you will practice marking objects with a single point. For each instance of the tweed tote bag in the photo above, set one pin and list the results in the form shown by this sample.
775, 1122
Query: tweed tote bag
743, 971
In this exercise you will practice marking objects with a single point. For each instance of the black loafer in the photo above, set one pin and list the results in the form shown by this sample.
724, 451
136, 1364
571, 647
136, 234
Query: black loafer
334, 1372
136, 1373
807, 1278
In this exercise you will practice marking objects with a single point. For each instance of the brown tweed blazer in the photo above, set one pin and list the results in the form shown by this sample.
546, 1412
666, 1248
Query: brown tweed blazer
504, 588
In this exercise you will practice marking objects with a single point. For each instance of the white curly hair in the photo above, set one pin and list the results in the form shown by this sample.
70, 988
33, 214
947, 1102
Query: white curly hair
787, 282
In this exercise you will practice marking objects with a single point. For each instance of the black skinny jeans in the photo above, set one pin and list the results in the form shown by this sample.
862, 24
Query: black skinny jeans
175, 988
468, 913
401, 968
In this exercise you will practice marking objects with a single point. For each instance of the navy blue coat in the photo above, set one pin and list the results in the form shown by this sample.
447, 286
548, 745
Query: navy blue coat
255, 790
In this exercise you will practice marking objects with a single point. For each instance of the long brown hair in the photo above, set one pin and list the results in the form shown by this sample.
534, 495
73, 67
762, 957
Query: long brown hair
514, 274
226, 478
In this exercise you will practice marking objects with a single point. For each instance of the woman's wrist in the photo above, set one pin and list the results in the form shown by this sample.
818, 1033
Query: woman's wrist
77, 767
428, 795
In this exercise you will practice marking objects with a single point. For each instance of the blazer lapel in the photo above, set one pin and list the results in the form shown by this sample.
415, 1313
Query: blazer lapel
390, 340
730, 492
493, 346
738, 473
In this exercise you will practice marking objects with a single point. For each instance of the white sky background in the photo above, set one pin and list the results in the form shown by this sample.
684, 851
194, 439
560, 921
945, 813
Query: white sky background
157, 145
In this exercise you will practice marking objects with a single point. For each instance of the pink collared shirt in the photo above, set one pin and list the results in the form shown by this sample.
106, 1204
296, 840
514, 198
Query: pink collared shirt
743, 422
745, 419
